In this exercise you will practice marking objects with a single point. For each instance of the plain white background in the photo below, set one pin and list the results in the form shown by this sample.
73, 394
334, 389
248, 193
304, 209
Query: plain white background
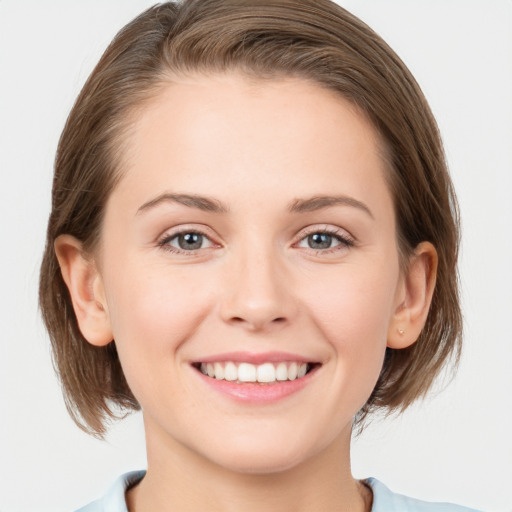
456, 445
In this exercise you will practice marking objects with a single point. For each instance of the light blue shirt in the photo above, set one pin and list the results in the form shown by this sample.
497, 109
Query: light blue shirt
383, 499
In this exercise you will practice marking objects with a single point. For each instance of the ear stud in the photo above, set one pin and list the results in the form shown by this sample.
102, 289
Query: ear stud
401, 331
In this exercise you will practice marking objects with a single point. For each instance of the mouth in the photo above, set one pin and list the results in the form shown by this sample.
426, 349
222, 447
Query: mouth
267, 373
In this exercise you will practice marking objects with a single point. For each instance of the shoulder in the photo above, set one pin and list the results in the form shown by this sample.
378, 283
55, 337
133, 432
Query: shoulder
114, 499
385, 500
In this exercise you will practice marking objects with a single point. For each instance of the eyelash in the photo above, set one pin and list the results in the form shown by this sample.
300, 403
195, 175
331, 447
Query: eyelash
164, 242
345, 241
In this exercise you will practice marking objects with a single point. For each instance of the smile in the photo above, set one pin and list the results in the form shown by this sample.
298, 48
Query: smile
266, 373
257, 378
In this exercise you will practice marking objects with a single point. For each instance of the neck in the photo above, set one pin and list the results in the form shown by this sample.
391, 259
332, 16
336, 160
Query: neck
180, 480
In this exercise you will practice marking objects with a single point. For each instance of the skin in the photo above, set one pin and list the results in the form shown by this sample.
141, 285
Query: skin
255, 285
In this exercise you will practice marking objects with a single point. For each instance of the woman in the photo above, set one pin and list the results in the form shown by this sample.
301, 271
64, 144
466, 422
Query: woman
182, 277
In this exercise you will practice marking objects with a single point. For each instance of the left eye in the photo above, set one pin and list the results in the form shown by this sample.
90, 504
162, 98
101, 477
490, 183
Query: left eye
189, 241
320, 241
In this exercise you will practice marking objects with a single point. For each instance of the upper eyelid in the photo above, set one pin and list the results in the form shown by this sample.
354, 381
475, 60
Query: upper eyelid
328, 229
187, 228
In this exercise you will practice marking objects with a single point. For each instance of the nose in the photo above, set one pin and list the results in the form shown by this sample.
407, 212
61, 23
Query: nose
258, 292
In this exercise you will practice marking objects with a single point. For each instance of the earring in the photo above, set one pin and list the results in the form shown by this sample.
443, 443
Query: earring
401, 331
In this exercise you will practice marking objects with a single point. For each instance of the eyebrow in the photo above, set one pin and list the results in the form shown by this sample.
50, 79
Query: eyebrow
193, 201
319, 202
213, 205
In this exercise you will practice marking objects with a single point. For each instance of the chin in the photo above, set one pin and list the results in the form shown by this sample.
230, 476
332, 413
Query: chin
261, 463
248, 455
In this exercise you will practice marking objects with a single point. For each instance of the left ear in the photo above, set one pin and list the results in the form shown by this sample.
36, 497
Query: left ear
414, 297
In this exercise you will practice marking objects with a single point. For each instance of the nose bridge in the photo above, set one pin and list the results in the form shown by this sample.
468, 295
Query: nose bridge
256, 294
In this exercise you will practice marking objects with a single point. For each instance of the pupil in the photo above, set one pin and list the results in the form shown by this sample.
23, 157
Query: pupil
319, 241
190, 241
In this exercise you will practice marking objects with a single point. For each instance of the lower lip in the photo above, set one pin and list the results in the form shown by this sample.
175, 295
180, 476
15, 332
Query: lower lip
251, 392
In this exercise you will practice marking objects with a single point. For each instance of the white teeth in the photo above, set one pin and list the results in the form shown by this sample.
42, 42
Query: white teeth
230, 372
282, 371
219, 371
292, 371
266, 373
247, 372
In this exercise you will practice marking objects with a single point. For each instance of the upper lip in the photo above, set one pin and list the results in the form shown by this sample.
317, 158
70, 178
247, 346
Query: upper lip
255, 358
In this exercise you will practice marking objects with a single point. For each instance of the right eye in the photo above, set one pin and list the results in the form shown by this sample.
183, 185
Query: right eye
322, 241
185, 241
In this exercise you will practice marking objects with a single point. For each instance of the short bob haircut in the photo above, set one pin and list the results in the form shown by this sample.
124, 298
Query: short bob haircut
314, 40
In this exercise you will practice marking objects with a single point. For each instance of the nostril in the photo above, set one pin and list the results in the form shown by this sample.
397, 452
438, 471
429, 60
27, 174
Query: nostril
256, 324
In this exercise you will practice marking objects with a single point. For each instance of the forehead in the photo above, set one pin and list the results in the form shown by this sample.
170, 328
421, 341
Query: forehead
219, 133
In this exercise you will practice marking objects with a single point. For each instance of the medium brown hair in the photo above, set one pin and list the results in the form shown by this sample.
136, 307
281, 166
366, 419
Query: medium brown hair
314, 40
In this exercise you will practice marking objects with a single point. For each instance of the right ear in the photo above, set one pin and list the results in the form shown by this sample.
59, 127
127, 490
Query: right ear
86, 289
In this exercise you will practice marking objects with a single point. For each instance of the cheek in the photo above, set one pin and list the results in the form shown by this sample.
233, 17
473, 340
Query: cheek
353, 314
152, 314
357, 301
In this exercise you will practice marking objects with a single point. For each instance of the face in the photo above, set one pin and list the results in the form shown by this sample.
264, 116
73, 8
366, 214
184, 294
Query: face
249, 269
